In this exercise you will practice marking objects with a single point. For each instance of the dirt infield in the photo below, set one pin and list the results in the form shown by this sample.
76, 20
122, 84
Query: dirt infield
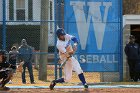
90, 76
101, 90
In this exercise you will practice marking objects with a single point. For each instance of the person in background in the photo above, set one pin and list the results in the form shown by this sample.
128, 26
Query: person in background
132, 51
26, 56
13, 56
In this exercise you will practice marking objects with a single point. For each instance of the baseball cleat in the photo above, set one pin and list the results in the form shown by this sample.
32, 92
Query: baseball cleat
53, 83
86, 86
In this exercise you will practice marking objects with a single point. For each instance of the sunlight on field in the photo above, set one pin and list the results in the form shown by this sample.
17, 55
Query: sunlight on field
90, 77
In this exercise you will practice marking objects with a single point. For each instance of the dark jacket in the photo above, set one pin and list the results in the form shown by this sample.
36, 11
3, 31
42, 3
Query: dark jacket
5, 65
25, 53
132, 51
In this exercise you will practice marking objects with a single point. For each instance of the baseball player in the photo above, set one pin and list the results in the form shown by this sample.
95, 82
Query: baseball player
65, 52
5, 70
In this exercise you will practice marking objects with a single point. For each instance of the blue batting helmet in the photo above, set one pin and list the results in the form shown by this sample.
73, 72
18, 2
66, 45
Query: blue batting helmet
60, 32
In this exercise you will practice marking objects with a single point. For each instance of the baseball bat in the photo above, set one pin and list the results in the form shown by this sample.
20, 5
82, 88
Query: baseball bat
63, 64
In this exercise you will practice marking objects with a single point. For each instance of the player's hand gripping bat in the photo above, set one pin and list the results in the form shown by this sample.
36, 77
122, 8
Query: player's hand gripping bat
64, 63
71, 53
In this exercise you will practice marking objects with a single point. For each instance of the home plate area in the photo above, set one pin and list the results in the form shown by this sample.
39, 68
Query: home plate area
75, 89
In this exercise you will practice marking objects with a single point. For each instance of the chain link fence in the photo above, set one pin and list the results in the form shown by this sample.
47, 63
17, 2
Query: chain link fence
36, 21
24, 20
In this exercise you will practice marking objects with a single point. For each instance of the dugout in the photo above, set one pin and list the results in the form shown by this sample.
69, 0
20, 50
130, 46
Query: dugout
131, 26
135, 30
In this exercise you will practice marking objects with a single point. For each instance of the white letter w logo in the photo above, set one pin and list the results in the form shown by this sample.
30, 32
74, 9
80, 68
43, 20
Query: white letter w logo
94, 13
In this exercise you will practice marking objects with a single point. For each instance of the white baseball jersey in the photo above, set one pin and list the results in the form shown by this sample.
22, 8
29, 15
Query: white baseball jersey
72, 64
64, 46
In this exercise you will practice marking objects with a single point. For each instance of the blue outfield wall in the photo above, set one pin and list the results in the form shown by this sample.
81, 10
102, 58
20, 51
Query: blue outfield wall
97, 24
